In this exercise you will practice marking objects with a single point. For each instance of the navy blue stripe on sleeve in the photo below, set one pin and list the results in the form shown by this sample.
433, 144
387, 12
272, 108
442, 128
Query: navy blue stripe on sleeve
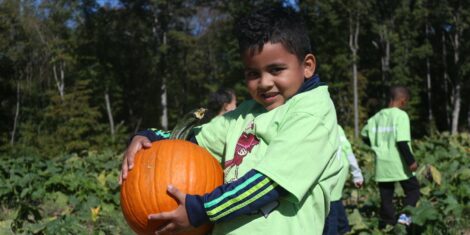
154, 134
246, 195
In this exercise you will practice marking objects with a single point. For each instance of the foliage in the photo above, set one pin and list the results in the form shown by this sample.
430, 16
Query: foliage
444, 176
68, 124
71, 194
79, 193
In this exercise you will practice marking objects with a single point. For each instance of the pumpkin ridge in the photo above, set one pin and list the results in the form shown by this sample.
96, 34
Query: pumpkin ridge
155, 188
127, 205
133, 203
139, 191
204, 173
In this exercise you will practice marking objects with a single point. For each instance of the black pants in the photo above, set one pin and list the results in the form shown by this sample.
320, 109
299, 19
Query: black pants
337, 220
387, 209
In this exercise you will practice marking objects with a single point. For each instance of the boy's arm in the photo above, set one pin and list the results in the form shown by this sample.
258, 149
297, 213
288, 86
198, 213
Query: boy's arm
366, 140
403, 137
406, 153
355, 170
246, 195
365, 135
153, 134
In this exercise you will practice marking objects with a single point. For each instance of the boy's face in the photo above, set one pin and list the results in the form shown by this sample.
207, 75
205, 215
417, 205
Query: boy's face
274, 74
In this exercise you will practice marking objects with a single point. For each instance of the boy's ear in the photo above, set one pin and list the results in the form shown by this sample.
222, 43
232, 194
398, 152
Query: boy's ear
310, 64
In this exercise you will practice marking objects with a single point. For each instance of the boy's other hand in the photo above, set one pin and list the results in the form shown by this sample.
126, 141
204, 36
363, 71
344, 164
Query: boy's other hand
358, 183
177, 219
137, 143
413, 166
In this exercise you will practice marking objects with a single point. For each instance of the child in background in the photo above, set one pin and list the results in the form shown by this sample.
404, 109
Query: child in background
220, 102
279, 150
337, 220
388, 134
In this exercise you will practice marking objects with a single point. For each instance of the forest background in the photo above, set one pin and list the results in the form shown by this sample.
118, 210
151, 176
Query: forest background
78, 78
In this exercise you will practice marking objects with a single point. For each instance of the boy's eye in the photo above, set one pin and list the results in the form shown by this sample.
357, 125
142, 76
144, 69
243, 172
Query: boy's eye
251, 74
276, 70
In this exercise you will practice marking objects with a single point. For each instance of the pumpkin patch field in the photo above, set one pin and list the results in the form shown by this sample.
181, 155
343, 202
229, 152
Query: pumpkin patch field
79, 193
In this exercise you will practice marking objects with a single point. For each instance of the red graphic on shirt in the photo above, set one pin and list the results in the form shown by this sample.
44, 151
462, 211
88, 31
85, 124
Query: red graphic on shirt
245, 144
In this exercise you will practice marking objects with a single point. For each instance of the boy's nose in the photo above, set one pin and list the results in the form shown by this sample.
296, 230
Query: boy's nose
266, 81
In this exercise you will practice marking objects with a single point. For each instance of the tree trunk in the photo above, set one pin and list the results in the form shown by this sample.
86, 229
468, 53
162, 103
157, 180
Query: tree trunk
354, 46
110, 115
428, 81
17, 113
446, 79
456, 108
164, 104
457, 84
468, 118
137, 125
59, 81
385, 60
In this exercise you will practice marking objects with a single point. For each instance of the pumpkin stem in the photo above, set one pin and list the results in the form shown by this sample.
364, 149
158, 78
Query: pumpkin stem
185, 125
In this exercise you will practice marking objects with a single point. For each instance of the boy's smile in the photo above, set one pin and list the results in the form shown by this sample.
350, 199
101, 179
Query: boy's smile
275, 74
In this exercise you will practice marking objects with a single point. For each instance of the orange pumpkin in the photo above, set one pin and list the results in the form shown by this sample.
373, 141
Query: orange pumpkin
185, 165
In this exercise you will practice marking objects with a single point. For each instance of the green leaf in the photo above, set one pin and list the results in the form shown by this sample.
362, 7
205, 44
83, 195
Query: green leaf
464, 174
424, 213
356, 220
436, 175
102, 178
5, 227
425, 190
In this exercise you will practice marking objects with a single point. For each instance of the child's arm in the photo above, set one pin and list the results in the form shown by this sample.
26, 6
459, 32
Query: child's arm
365, 135
403, 138
407, 155
154, 134
246, 195
356, 172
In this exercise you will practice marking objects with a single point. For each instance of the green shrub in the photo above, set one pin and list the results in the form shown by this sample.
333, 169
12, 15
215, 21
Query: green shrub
71, 194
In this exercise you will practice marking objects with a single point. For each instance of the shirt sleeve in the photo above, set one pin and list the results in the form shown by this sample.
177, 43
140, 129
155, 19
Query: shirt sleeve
405, 151
246, 195
354, 168
403, 132
153, 134
298, 156
365, 131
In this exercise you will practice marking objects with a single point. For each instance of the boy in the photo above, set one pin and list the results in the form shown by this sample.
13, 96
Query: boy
388, 133
278, 150
337, 220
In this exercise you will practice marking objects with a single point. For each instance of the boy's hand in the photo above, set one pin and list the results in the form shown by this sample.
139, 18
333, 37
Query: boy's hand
137, 143
413, 166
177, 219
358, 184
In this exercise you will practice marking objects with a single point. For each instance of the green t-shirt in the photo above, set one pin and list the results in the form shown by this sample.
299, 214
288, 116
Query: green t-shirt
346, 149
384, 130
297, 149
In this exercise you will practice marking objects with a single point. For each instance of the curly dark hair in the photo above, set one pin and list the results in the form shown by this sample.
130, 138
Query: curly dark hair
275, 25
